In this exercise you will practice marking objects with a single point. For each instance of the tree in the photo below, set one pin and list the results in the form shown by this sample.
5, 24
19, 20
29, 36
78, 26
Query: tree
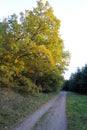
43, 29
31, 47
78, 81
40, 62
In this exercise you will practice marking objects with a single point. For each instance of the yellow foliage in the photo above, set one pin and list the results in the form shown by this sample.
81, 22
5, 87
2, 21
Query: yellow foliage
31, 46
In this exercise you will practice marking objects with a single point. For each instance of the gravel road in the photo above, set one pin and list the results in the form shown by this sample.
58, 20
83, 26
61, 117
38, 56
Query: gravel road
54, 120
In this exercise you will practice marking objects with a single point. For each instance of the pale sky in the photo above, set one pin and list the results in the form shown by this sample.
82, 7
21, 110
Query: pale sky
73, 30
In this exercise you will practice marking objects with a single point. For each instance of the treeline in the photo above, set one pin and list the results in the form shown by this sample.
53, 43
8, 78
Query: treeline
32, 55
78, 81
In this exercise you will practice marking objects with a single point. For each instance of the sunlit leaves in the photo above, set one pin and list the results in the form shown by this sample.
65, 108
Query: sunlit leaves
31, 47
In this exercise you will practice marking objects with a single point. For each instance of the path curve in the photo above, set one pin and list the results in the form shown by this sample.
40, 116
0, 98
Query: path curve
58, 113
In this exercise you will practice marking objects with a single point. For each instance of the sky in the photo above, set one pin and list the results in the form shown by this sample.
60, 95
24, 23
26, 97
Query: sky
73, 30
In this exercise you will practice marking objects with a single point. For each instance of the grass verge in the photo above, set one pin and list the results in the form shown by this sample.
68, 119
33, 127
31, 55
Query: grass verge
76, 111
15, 107
41, 120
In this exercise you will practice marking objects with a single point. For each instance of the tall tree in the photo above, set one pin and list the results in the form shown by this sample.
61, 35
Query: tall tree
31, 46
42, 28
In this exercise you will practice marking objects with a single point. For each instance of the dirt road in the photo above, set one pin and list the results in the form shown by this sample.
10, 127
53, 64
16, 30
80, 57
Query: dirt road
54, 120
56, 116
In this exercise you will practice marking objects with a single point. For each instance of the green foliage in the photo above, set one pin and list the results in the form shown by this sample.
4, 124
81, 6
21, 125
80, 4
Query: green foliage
27, 86
78, 81
50, 82
30, 48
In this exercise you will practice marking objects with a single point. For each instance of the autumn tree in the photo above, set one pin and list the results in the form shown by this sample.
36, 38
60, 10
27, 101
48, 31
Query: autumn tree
31, 48
43, 27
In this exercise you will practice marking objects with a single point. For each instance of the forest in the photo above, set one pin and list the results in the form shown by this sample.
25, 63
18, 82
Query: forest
78, 81
32, 54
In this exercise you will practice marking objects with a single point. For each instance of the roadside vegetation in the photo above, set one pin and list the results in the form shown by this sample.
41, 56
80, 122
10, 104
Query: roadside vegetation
77, 101
32, 62
15, 107
76, 111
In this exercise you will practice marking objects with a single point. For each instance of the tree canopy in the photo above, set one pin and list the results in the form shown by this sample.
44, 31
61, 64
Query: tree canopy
31, 48
78, 81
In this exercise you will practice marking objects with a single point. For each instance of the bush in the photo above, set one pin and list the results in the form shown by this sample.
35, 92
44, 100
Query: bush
50, 82
27, 86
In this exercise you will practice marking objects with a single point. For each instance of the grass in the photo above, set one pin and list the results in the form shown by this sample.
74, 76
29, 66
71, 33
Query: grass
40, 121
15, 107
77, 111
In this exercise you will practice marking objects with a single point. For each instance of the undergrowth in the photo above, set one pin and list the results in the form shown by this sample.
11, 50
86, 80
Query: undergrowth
15, 107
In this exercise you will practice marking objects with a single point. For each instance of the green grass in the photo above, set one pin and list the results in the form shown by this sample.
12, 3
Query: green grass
77, 111
40, 121
15, 107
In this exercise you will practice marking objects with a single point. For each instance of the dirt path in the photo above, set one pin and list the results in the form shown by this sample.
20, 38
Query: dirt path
55, 119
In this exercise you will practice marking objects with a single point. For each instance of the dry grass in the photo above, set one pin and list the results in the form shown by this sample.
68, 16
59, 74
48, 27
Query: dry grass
15, 107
